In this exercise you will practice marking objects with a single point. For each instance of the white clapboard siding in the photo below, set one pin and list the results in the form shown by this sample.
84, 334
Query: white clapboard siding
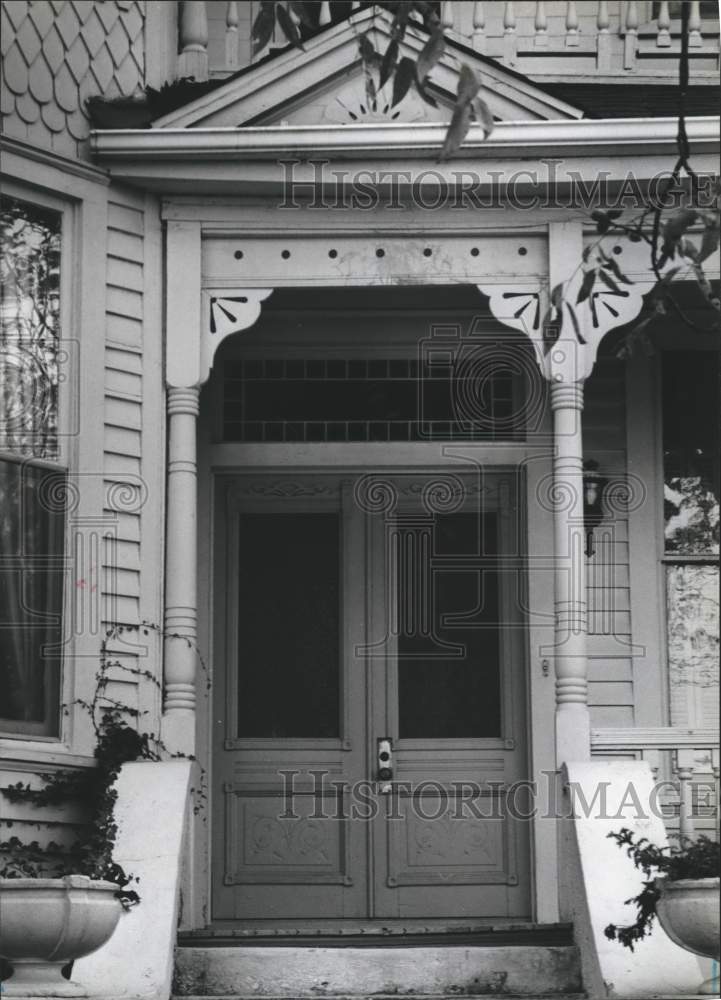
60, 823
608, 594
123, 419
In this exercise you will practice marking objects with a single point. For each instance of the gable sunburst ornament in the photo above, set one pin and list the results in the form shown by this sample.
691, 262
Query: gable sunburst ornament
377, 111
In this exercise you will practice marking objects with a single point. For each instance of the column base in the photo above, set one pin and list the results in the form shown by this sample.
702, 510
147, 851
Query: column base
573, 733
177, 731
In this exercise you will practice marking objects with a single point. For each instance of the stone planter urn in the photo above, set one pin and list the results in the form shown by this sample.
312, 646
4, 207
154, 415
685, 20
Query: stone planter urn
688, 911
46, 923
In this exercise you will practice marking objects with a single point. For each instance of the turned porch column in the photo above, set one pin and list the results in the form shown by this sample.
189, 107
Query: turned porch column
197, 321
181, 608
567, 369
573, 726
566, 355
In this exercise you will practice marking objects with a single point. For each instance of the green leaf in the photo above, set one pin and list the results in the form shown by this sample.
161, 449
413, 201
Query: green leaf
709, 243
457, 130
609, 282
401, 12
468, 85
388, 63
602, 221
611, 265
589, 279
428, 13
370, 89
404, 77
367, 51
263, 27
669, 276
431, 53
304, 12
688, 249
678, 223
574, 320
483, 115
289, 27
675, 227
557, 295
550, 331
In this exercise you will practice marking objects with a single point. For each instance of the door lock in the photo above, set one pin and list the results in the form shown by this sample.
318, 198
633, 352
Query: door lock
385, 759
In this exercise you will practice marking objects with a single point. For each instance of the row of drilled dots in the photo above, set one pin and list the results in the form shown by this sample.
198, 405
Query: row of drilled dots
380, 252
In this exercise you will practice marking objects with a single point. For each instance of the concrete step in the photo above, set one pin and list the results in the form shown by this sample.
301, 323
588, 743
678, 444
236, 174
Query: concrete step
429, 971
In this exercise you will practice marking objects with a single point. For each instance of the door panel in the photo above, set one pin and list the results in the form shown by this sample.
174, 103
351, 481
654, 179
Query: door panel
290, 702
453, 699
347, 623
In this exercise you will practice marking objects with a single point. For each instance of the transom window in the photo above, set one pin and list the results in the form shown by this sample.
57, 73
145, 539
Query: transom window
371, 399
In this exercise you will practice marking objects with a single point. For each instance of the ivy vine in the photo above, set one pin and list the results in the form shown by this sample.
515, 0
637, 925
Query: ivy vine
119, 740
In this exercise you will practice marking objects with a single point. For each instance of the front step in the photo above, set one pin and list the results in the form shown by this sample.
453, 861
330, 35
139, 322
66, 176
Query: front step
423, 970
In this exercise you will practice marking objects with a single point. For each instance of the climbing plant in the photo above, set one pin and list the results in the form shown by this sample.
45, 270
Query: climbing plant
119, 739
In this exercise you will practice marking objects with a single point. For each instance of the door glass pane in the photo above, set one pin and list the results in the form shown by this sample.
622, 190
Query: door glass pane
289, 625
448, 673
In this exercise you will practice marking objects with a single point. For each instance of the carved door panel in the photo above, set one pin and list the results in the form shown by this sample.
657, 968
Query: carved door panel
363, 616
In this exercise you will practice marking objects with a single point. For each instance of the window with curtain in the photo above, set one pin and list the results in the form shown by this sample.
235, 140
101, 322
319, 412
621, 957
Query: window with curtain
32, 476
690, 401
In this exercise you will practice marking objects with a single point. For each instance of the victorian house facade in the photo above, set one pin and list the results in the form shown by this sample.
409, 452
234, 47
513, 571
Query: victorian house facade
403, 564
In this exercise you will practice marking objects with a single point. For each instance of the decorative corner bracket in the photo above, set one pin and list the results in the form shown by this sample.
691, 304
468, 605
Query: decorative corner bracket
225, 312
565, 333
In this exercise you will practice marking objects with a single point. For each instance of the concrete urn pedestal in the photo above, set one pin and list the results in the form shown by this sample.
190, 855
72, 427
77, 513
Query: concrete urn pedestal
46, 923
688, 911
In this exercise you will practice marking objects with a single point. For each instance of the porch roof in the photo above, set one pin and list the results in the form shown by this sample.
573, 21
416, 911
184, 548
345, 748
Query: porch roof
245, 160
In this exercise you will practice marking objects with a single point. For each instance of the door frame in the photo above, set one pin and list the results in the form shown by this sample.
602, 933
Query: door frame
534, 465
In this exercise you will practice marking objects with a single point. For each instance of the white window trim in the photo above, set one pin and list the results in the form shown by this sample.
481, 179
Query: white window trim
80, 193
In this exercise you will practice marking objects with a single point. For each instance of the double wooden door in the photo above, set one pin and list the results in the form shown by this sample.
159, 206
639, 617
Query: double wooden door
369, 716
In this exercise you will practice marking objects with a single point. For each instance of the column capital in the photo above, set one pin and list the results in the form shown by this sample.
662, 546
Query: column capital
226, 311
183, 400
565, 332
567, 395
198, 319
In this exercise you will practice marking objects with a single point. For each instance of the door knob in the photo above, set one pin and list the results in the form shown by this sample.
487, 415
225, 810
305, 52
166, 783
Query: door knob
385, 759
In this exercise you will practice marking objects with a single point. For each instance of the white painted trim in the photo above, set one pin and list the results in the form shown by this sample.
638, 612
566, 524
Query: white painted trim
274, 83
69, 165
153, 457
541, 699
645, 528
370, 454
608, 135
81, 195
654, 738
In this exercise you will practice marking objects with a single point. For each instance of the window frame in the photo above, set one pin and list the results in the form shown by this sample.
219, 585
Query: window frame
666, 557
79, 192
64, 461
672, 344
